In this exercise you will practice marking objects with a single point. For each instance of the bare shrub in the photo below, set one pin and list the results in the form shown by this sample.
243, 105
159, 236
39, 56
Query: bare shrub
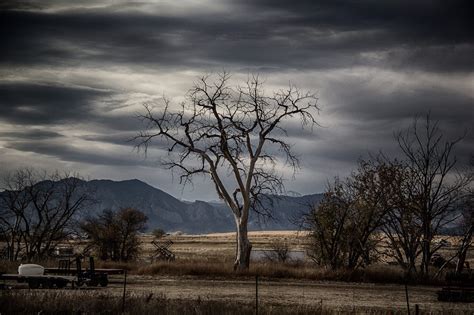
279, 252
115, 234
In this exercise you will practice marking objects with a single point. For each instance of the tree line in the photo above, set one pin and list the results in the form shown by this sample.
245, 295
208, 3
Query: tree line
395, 207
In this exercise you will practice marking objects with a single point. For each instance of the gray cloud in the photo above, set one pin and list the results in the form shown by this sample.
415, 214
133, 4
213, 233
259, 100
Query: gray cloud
365, 102
28, 103
321, 34
65, 152
74, 74
34, 134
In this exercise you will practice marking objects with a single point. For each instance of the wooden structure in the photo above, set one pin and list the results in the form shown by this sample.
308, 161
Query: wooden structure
162, 251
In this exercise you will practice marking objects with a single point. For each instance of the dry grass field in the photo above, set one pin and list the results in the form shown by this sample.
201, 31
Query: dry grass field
201, 281
221, 246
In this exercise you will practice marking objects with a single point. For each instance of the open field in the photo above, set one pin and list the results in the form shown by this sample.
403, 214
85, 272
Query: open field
221, 246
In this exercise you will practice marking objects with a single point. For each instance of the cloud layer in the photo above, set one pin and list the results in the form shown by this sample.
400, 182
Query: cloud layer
73, 76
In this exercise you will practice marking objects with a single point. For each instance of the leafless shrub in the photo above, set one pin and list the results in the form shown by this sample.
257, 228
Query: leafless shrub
115, 234
279, 251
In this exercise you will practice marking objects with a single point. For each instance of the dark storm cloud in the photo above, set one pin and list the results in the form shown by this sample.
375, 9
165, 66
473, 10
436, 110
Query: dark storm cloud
39, 104
121, 123
301, 34
118, 138
34, 134
431, 21
28, 103
65, 152
368, 103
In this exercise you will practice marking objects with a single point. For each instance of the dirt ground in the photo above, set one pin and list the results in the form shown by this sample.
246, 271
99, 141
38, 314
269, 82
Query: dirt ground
334, 295
357, 297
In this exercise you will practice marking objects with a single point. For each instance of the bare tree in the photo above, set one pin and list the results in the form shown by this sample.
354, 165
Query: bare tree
327, 224
435, 186
39, 209
368, 188
232, 135
401, 225
14, 202
466, 226
344, 225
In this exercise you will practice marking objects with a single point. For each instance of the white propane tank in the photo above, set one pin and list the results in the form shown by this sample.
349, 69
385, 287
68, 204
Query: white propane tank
30, 270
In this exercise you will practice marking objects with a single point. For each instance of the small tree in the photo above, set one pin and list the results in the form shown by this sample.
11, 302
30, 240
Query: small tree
327, 224
344, 225
233, 136
158, 233
115, 234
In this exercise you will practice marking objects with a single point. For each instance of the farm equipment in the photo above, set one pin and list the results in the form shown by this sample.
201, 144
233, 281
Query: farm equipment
460, 288
162, 251
34, 275
37, 276
90, 276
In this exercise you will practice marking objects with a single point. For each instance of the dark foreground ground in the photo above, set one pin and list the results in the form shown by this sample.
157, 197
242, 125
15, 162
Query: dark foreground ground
191, 295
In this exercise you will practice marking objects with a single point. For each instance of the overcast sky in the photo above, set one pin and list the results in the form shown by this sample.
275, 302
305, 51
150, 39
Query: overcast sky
74, 74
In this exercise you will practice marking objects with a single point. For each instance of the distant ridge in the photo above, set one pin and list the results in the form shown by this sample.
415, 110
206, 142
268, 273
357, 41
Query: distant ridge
167, 212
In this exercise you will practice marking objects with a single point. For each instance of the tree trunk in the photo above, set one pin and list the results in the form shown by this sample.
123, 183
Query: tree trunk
461, 261
465, 244
242, 259
426, 248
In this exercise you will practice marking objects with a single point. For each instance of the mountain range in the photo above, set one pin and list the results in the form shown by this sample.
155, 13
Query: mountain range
171, 214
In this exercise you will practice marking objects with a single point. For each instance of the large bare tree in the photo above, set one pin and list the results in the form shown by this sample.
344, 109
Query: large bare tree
435, 186
236, 136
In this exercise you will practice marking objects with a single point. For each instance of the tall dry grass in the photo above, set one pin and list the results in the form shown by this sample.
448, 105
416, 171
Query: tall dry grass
268, 269
372, 274
87, 302
91, 302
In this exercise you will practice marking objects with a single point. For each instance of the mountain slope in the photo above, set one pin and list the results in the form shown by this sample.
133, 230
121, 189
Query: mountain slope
167, 212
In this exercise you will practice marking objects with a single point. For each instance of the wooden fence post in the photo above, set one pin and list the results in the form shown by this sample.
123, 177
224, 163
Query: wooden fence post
408, 301
124, 290
256, 295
